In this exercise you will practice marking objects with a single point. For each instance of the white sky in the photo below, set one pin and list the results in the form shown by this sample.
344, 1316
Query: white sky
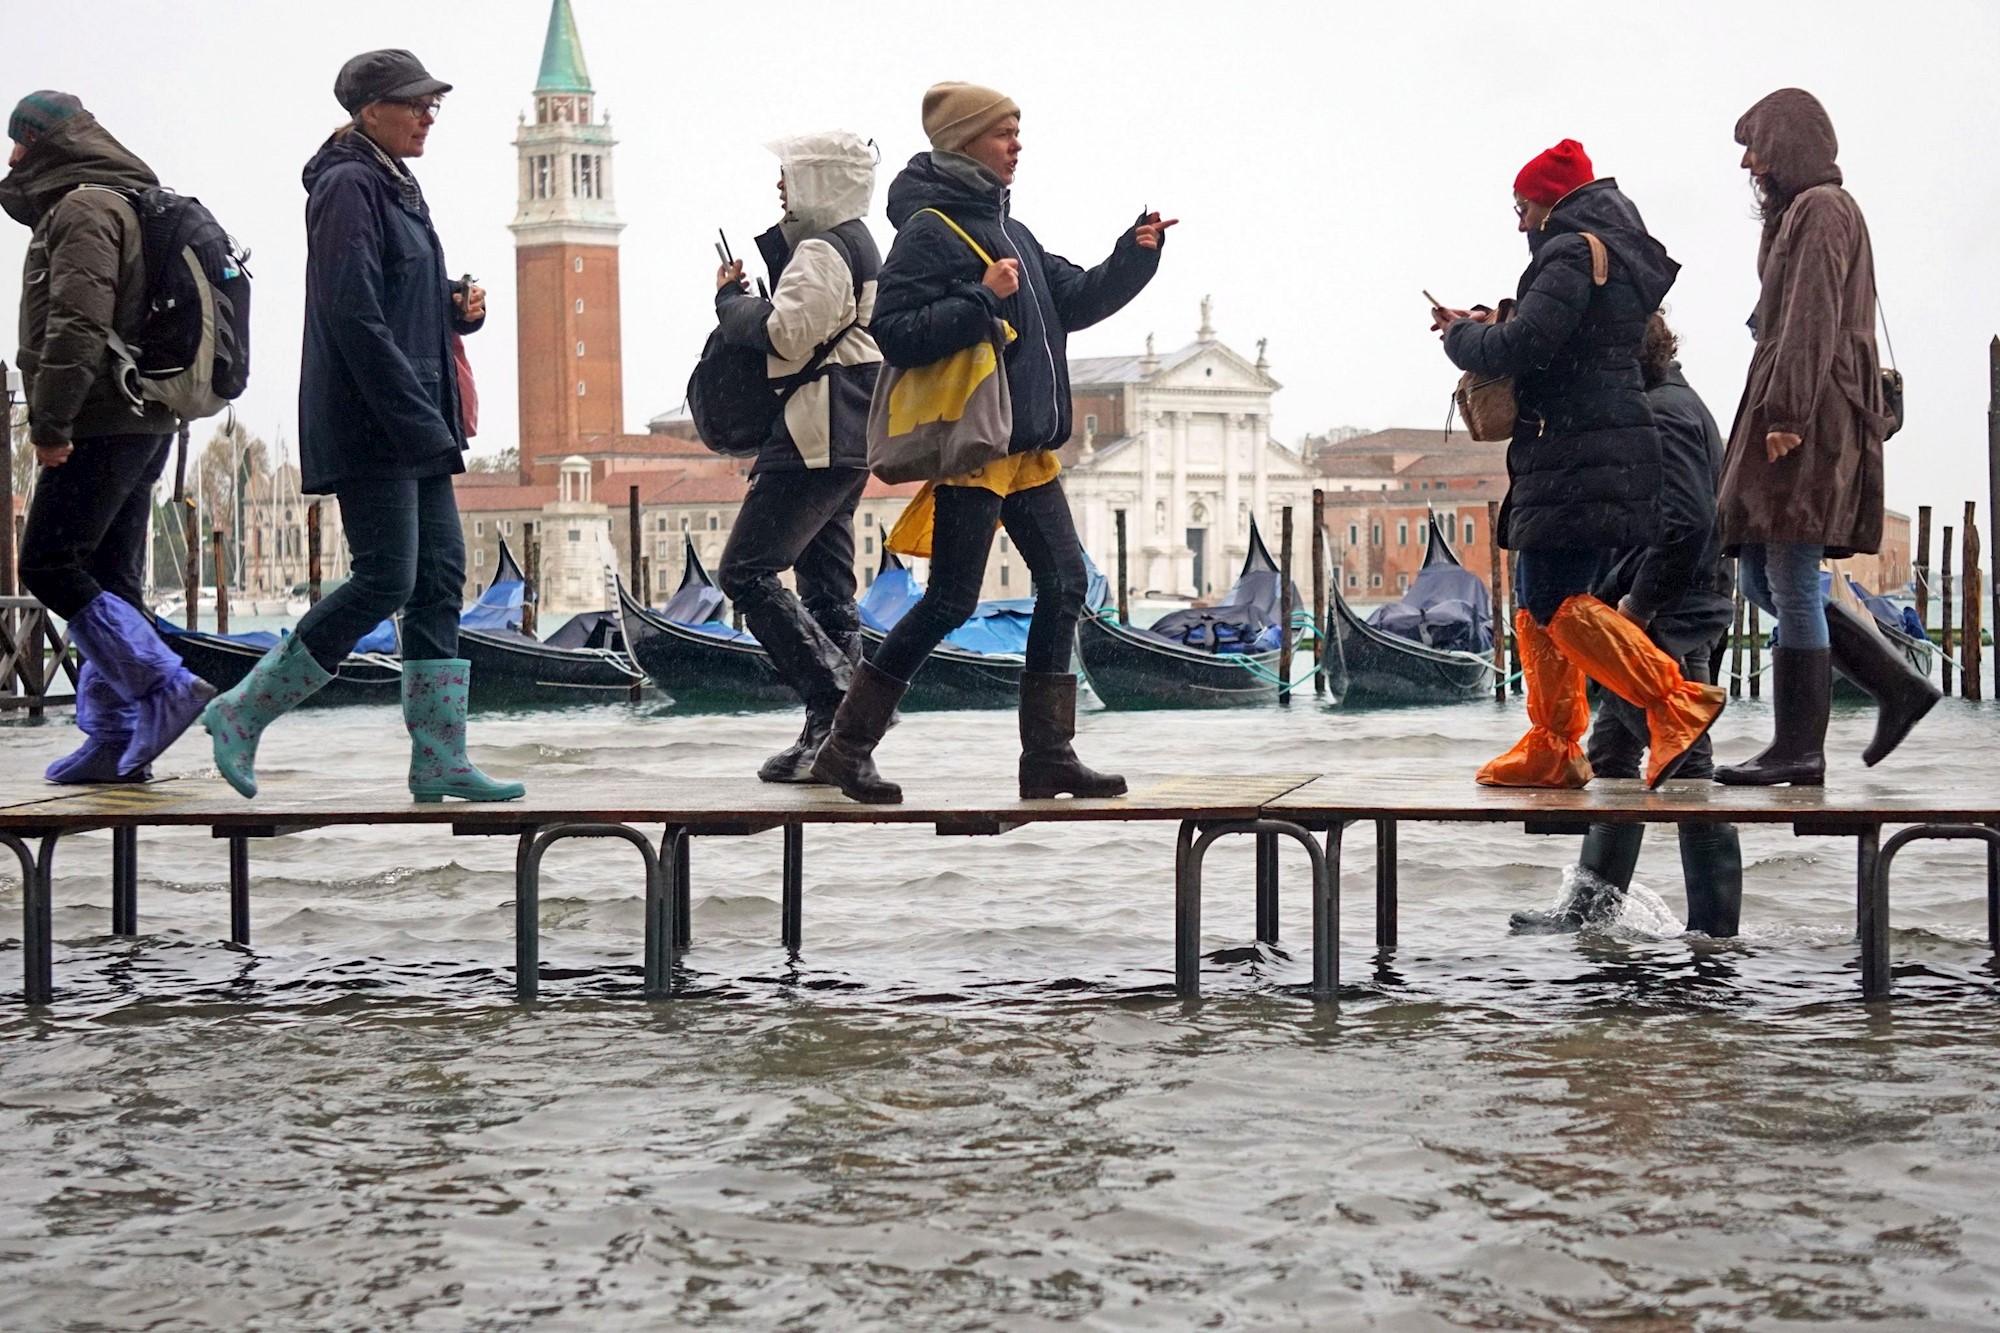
1328, 160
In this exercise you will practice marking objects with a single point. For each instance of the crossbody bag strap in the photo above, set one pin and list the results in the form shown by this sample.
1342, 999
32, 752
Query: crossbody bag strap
1600, 260
963, 235
806, 373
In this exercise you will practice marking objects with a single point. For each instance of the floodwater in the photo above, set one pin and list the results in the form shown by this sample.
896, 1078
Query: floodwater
972, 1103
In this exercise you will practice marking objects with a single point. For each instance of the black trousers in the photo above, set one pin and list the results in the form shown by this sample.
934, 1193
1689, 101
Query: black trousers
409, 556
1618, 735
804, 522
1550, 577
1038, 522
88, 522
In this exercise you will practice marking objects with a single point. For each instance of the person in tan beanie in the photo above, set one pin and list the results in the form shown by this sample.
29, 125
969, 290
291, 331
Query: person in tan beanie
962, 261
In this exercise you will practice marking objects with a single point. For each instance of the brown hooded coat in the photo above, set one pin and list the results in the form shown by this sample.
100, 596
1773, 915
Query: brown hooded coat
1815, 372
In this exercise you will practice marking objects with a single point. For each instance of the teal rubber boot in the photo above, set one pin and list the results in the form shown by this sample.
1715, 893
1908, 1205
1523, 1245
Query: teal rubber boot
434, 696
283, 679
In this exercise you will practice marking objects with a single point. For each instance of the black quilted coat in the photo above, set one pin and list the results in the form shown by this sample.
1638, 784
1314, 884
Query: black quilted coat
1584, 464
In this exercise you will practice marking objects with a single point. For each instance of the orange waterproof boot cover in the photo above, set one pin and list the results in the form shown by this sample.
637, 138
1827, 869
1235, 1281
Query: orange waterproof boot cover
1558, 714
1616, 654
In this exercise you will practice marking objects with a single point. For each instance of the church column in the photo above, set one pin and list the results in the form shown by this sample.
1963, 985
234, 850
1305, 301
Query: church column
1230, 557
1177, 505
1142, 537
1260, 492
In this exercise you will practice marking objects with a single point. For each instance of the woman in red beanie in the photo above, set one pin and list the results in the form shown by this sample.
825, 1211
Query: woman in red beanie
1583, 466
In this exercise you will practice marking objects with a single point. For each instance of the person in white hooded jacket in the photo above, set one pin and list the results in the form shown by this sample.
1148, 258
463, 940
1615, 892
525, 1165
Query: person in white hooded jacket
809, 474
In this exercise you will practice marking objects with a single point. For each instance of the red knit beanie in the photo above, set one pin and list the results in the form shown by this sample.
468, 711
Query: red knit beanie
1554, 173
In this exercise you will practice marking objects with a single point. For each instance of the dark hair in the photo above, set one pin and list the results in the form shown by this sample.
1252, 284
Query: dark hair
1657, 352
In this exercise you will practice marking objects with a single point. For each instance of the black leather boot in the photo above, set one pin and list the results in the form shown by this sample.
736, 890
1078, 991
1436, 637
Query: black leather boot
1049, 767
1610, 853
1712, 869
1803, 679
816, 666
846, 758
1901, 696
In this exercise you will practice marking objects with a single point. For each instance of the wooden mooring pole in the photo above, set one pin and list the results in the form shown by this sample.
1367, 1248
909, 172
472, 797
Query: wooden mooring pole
1756, 651
638, 539
1736, 647
1499, 604
1969, 659
1319, 590
1993, 478
190, 512
8, 377
1920, 573
1520, 685
1285, 635
221, 582
1944, 611
312, 553
531, 578
1124, 578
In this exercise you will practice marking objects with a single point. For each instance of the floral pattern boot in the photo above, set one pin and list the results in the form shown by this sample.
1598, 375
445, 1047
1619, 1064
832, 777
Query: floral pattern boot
434, 703
283, 679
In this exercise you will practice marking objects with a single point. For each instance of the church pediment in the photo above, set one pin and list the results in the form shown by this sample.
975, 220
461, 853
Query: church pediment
1215, 366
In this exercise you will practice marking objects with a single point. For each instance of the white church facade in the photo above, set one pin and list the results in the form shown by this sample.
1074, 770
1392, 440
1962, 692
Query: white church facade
1181, 442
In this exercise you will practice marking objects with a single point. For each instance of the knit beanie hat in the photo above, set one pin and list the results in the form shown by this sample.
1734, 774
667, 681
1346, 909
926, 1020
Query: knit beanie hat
1554, 173
957, 113
37, 113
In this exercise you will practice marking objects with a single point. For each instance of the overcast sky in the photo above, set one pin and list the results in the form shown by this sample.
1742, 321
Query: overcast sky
1327, 161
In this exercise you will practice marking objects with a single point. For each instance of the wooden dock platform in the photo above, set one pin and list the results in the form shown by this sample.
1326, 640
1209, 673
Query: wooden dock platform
1313, 810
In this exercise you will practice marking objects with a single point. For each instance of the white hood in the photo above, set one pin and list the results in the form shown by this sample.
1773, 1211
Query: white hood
829, 179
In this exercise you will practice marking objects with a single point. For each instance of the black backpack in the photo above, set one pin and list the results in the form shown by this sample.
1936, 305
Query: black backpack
732, 399
192, 352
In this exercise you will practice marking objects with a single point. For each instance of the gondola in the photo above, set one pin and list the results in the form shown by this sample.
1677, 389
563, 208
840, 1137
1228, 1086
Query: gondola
691, 653
512, 669
1142, 668
1895, 626
956, 674
225, 659
1367, 666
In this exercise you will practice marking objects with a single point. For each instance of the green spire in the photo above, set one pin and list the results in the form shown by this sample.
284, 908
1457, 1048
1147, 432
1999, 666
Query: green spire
563, 70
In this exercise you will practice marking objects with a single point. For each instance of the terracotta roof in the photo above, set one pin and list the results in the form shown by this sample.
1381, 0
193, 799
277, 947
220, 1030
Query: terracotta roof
1403, 440
484, 497
638, 446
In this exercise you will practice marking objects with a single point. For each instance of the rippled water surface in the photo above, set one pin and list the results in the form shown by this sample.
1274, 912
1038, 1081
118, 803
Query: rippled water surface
973, 1102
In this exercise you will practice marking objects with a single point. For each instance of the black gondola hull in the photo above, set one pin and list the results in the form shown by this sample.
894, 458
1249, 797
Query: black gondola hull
1131, 670
1366, 668
372, 679
951, 678
514, 673
700, 671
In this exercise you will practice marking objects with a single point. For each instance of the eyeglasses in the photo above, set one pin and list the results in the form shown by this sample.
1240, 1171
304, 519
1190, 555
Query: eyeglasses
1520, 208
422, 106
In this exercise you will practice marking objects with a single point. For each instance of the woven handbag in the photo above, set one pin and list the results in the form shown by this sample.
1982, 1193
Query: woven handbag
1486, 403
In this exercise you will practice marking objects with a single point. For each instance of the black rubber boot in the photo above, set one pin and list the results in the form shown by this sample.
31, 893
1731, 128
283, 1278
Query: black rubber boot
847, 757
1049, 766
814, 665
1797, 753
1901, 696
1712, 869
1610, 855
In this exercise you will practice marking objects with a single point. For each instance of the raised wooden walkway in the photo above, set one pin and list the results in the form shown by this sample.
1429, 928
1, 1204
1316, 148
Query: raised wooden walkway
1315, 811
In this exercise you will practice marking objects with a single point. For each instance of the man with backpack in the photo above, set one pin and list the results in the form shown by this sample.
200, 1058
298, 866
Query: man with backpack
101, 445
821, 364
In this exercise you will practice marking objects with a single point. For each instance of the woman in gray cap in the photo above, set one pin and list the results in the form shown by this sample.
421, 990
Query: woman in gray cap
381, 427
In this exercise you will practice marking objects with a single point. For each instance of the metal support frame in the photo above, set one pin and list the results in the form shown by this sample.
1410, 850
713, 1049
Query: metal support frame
1385, 883
37, 916
663, 927
791, 911
125, 881
1267, 888
1872, 910
1189, 850
239, 889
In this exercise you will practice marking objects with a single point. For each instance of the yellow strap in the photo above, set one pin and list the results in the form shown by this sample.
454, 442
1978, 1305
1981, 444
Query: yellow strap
984, 258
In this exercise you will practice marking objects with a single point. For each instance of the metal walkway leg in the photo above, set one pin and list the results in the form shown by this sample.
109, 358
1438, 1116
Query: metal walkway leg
1385, 883
683, 891
239, 889
1873, 916
1267, 888
1188, 853
125, 881
791, 909
661, 905
37, 917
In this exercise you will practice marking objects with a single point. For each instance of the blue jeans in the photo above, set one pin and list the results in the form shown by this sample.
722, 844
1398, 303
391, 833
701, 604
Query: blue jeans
409, 556
1551, 577
1783, 579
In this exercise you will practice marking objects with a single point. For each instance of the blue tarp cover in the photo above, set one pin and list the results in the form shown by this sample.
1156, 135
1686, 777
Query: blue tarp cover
1447, 608
381, 639
1246, 623
999, 626
499, 607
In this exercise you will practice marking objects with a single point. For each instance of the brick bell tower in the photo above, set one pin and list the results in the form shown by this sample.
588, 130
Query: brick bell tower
566, 227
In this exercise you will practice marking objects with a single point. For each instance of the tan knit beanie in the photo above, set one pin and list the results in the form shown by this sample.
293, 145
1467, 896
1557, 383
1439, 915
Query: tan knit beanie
957, 113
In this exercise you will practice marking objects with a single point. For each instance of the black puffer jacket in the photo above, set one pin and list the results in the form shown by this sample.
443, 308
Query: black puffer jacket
1584, 465
378, 390
930, 301
1681, 583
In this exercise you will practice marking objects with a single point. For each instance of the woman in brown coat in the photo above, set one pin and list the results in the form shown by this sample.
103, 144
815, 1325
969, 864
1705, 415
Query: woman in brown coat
1803, 477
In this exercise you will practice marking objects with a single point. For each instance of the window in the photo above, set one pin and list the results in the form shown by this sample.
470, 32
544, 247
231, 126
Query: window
714, 523
1468, 532
867, 546
478, 555
579, 388
478, 530
1090, 423
1376, 539
684, 522
1354, 580
660, 523
1402, 580
579, 347
1003, 543
507, 526
1160, 517
1354, 534
478, 588
1374, 580
577, 263
579, 305
1403, 534
539, 176
575, 535
1003, 575
868, 520
867, 578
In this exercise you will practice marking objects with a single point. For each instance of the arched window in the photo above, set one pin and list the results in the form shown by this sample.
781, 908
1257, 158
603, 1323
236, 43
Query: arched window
579, 305
1159, 516
578, 263
579, 347
579, 388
